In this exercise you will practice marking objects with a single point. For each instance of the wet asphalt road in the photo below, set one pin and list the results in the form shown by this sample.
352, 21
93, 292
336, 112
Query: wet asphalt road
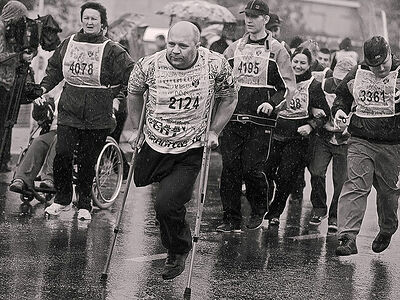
63, 258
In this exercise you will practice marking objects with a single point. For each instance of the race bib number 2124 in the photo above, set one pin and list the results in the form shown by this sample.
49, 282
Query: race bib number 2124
183, 103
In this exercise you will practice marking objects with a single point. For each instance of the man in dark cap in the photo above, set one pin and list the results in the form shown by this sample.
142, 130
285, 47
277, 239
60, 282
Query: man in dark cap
265, 79
274, 26
370, 92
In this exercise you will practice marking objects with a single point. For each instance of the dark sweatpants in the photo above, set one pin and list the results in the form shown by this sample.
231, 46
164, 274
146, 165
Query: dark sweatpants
285, 162
177, 175
90, 144
244, 149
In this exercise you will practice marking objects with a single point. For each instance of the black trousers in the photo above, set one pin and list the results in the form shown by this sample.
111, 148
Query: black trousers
177, 175
4, 100
244, 149
284, 164
87, 145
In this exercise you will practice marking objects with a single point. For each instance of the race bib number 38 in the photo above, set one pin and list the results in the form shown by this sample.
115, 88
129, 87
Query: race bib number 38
375, 97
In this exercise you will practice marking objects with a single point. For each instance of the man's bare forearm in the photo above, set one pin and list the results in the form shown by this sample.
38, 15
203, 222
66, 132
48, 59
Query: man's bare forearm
224, 113
135, 106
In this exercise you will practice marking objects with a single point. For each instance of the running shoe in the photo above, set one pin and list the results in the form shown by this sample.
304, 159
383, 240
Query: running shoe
18, 186
316, 220
84, 214
228, 227
55, 209
332, 226
274, 222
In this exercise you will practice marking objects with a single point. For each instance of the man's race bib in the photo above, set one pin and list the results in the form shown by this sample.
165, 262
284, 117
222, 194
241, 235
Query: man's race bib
251, 66
298, 106
180, 102
82, 63
374, 96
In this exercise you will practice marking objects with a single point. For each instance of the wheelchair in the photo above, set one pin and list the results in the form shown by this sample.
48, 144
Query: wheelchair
106, 185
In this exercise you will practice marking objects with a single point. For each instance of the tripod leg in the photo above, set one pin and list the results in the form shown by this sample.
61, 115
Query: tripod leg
13, 106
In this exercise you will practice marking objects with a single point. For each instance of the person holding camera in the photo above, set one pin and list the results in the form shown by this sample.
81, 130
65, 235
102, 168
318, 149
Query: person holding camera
94, 68
9, 59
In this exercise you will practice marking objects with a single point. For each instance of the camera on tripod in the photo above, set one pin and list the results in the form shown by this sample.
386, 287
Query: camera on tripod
25, 34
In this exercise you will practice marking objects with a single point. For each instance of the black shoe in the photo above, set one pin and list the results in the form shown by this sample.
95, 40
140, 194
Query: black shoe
18, 186
381, 242
255, 221
316, 220
347, 246
169, 262
174, 265
229, 227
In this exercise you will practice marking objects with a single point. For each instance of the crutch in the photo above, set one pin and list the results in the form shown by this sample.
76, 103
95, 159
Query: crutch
104, 275
205, 166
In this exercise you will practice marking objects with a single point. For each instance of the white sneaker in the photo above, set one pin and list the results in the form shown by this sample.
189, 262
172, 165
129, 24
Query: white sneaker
55, 209
84, 214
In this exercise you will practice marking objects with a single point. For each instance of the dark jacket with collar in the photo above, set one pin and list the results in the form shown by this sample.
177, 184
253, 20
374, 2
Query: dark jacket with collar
287, 128
280, 75
89, 108
380, 130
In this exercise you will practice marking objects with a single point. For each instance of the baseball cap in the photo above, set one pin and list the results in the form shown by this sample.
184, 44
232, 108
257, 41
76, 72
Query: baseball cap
376, 50
273, 21
256, 7
343, 66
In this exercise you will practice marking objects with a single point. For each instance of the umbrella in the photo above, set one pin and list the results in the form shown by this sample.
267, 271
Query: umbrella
198, 10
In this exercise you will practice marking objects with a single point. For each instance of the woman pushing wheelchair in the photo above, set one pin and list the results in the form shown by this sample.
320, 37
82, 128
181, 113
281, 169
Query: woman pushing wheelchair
94, 68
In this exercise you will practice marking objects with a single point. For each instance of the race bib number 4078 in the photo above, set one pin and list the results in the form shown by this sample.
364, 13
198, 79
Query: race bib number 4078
81, 68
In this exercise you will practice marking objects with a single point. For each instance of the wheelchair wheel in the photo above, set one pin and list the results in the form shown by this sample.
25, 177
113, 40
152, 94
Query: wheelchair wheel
109, 172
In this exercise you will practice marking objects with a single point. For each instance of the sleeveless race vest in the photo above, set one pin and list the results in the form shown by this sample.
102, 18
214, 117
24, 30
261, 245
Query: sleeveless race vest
179, 105
374, 96
250, 65
320, 75
82, 64
298, 106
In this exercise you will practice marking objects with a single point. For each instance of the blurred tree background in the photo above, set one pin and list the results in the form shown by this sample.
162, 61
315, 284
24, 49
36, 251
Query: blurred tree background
294, 21
66, 12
